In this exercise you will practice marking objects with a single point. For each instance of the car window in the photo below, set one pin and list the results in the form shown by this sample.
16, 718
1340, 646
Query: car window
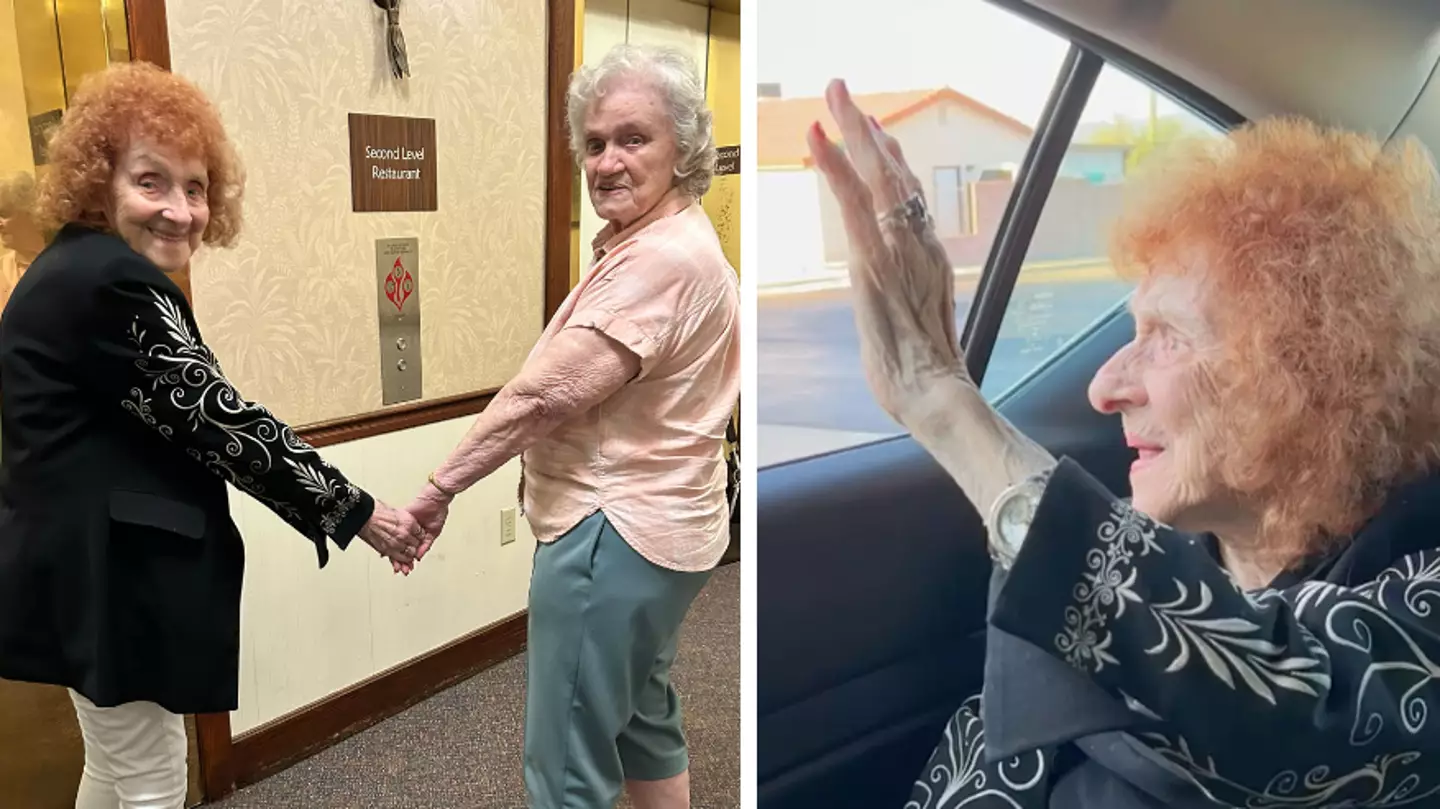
961, 87
1066, 282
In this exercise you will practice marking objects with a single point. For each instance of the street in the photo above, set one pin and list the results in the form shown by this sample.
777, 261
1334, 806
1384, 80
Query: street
812, 392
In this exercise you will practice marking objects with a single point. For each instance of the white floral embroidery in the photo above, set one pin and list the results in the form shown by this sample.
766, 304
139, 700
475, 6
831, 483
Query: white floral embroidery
1379, 629
1417, 574
957, 775
1234, 644
140, 406
1108, 585
1390, 779
183, 372
326, 490
1391, 685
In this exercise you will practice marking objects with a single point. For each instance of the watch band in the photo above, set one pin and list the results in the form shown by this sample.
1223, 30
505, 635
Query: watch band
1011, 515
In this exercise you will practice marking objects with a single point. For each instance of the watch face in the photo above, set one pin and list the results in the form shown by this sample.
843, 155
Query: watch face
1013, 521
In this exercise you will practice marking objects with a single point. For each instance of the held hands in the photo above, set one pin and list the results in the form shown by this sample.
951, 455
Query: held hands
900, 275
405, 535
430, 508
396, 535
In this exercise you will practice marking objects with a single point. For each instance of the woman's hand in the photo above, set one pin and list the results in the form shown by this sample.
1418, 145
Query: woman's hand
431, 507
396, 535
900, 276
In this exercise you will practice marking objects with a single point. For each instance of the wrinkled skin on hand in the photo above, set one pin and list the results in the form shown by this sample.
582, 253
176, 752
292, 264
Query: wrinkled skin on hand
901, 280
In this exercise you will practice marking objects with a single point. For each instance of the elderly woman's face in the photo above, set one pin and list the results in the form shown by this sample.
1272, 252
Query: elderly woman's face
1160, 385
630, 152
158, 203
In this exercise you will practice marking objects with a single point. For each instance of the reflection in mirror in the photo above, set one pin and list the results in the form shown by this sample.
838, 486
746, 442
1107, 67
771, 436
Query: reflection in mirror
47, 47
20, 237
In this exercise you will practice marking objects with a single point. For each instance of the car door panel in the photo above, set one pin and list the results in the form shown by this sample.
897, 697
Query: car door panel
872, 583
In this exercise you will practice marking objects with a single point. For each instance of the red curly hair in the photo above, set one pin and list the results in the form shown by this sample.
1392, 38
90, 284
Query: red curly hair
124, 102
1322, 256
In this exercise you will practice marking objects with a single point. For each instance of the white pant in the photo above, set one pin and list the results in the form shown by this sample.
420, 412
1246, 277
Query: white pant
134, 756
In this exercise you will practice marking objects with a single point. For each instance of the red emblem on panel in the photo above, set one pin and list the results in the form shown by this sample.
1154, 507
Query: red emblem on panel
399, 284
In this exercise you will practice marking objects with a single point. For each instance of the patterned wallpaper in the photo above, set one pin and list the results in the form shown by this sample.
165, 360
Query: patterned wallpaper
291, 309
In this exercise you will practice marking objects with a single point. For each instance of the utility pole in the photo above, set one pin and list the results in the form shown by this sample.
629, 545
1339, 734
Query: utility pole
1154, 116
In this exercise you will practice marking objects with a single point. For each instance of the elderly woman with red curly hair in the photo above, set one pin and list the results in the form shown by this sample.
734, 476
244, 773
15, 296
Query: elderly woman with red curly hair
120, 568
1260, 627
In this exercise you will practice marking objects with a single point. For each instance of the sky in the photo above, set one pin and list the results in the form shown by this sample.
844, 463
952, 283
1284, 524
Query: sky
982, 51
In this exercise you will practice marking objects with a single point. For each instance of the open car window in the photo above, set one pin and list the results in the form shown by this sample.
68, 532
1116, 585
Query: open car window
1066, 282
962, 87
965, 117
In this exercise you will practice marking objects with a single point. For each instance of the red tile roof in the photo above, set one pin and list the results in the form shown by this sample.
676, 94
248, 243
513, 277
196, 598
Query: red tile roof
781, 123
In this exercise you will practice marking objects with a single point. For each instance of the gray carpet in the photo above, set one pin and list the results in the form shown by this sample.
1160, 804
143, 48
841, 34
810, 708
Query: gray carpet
462, 747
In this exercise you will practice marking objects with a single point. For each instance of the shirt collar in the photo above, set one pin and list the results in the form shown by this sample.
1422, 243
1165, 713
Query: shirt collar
672, 203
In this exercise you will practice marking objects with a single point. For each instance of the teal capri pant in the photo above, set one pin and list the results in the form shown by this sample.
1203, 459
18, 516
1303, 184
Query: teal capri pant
599, 705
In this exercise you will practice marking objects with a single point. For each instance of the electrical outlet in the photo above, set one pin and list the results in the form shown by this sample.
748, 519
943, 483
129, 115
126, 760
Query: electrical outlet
507, 526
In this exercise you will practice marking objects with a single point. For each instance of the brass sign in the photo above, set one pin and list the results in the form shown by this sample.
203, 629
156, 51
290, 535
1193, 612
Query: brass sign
397, 274
392, 163
727, 160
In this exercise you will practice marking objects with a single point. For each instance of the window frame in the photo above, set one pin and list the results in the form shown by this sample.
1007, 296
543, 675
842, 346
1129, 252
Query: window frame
1087, 57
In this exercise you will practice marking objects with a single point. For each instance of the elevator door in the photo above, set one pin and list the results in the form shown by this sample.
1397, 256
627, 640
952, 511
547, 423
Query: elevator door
47, 48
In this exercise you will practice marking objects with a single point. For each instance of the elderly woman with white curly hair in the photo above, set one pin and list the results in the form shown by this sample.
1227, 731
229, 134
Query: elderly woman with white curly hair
620, 413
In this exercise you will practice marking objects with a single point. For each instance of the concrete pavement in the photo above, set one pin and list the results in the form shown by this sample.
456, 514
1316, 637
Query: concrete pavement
1041, 272
812, 393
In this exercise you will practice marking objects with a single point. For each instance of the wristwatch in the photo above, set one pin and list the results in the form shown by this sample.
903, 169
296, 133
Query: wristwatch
1011, 515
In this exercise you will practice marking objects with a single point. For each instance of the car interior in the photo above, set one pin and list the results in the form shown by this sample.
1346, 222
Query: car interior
872, 566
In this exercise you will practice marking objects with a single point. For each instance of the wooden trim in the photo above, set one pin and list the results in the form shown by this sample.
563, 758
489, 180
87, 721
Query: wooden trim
559, 163
217, 777
400, 417
226, 761
271, 748
149, 34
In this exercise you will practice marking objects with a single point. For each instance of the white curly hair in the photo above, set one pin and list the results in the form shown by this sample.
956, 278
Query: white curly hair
675, 76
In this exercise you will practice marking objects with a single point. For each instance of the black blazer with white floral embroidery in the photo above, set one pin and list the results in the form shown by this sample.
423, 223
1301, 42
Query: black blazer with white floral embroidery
1125, 670
120, 567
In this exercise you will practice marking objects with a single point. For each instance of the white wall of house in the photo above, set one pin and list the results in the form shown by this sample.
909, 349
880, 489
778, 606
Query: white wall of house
790, 236
945, 134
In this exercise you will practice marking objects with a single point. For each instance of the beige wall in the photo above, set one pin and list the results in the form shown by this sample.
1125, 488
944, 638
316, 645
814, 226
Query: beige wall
291, 310
941, 135
307, 633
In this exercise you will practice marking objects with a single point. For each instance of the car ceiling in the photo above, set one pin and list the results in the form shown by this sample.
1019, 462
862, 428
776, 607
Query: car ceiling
1360, 64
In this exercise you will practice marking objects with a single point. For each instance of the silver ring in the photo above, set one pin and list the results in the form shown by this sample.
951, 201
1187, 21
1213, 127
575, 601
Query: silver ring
910, 214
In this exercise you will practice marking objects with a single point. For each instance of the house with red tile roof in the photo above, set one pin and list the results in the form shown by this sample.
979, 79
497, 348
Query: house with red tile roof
954, 144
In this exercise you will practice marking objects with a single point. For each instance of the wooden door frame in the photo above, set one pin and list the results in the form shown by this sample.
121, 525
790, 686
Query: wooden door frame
227, 762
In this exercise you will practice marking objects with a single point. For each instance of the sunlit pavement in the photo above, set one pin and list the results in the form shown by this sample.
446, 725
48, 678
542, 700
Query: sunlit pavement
812, 393
779, 442
837, 277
